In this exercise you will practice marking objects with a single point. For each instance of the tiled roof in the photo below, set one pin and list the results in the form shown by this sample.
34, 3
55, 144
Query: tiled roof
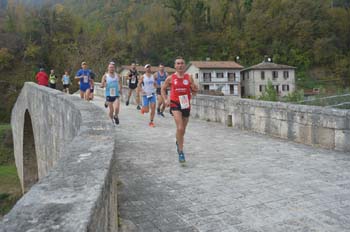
216, 64
268, 65
140, 68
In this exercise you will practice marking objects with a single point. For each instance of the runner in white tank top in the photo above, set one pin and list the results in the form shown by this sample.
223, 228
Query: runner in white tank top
147, 84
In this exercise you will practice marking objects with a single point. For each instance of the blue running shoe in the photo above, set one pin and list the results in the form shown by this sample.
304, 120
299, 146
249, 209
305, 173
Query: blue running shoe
182, 157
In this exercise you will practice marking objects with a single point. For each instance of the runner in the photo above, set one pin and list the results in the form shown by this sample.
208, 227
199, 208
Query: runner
52, 79
148, 85
66, 82
84, 76
133, 77
181, 85
160, 77
42, 78
92, 86
113, 85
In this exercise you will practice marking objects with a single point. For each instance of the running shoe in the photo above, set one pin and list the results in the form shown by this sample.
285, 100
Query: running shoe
162, 114
127, 103
106, 104
182, 157
116, 120
138, 107
151, 124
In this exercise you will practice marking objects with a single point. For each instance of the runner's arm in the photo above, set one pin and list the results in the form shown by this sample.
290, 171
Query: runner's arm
194, 87
120, 86
103, 81
166, 84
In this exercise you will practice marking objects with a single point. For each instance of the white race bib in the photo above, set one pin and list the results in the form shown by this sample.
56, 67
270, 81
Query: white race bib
112, 92
133, 80
161, 83
86, 79
184, 102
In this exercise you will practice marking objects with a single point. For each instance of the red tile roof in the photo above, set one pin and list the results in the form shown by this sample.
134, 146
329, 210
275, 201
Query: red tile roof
216, 64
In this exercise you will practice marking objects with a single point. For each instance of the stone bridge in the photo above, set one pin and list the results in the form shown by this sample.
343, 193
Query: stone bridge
263, 167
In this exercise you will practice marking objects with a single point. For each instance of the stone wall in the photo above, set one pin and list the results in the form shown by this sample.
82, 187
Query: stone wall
312, 125
75, 161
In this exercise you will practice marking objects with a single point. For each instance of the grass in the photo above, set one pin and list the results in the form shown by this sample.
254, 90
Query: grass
10, 188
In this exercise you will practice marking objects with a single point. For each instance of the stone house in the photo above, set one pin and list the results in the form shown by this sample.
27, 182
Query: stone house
255, 79
221, 76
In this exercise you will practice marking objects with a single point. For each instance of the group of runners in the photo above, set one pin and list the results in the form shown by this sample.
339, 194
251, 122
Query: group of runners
152, 87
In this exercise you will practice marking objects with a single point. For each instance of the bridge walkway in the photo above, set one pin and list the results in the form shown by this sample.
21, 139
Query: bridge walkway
232, 181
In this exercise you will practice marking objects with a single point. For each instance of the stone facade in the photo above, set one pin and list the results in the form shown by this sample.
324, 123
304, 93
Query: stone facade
324, 127
75, 160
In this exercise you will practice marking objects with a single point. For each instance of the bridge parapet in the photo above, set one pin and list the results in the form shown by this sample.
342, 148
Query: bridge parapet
65, 156
312, 125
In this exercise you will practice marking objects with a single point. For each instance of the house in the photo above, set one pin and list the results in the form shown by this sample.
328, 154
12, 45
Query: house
223, 76
124, 70
255, 79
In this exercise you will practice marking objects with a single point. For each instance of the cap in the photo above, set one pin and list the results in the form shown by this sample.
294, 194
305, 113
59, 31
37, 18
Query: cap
147, 65
82, 63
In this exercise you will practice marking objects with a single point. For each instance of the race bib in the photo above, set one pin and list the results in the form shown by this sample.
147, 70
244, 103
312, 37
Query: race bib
112, 92
184, 102
133, 80
86, 79
150, 96
161, 83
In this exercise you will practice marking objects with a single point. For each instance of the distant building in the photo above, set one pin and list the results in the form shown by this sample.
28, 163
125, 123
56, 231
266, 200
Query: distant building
124, 70
255, 78
223, 76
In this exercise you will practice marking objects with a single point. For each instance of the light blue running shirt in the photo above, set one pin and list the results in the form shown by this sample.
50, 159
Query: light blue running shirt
112, 85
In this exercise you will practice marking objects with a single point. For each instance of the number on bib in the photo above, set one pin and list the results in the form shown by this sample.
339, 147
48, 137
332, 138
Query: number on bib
184, 102
86, 79
133, 80
161, 83
112, 92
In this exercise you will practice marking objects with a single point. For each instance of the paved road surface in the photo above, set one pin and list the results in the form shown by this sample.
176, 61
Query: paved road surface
232, 181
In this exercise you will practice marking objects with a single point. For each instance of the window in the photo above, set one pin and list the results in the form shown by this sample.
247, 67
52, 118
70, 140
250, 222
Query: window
274, 75
262, 88
232, 77
285, 88
276, 88
196, 75
207, 75
262, 75
219, 75
285, 74
206, 87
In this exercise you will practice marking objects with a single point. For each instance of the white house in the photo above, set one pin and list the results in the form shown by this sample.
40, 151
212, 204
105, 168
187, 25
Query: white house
255, 79
221, 76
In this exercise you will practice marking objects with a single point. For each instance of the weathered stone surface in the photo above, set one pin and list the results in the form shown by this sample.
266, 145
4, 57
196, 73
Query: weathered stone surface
75, 161
310, 125
232, 181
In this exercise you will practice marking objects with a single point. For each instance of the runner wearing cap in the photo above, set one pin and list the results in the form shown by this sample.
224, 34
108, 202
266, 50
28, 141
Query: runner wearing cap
147, 85
182, 87
84, 76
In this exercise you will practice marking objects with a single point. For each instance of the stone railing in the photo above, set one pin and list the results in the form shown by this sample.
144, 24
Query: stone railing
312, 125
66, 164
